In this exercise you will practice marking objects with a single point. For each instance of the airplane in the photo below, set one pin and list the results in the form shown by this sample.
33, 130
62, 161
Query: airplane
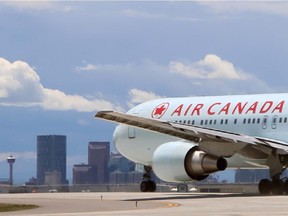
188, 138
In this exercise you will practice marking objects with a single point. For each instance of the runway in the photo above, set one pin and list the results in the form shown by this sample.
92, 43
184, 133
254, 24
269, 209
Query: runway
88, 204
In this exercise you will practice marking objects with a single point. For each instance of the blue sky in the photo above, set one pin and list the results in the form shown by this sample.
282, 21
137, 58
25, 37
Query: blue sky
60, 62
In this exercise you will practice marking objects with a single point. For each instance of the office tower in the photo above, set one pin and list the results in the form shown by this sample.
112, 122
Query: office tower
119, 162
84, 174
98, 156
51, 160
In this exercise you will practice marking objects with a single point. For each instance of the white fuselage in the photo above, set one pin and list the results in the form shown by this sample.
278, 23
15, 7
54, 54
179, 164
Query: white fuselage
264, 116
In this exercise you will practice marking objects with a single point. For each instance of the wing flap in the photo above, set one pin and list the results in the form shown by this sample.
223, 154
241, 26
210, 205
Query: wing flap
282, 147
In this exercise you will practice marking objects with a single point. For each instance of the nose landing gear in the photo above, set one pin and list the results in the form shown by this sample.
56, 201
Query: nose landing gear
147, 185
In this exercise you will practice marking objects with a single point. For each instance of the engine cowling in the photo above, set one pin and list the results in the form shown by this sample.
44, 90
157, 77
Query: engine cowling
183, 161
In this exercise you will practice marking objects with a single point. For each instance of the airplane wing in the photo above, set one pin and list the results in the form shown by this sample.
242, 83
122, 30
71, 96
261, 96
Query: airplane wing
190, 133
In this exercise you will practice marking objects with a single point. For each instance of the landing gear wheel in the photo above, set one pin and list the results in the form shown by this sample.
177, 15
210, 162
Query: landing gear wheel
277, 187
182, 188
286, 187
265, 186
144, 186
152, 186
148, 186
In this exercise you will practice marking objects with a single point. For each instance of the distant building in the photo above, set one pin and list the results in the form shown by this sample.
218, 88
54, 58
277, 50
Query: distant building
4, 181
84, 174
122, 170
51, 160
118, 177
135, 177
98, 156
250, 175
118, 167
103, 168
32, 181
120, 163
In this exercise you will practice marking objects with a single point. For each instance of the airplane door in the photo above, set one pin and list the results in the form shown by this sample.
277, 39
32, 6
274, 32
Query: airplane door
274, 122
264, 124
131, 132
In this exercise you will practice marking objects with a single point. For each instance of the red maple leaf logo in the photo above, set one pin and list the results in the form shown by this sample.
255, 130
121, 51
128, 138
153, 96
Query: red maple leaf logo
159, 111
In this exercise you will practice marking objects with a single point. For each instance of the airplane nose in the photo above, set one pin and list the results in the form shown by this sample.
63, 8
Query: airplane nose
119, 137
122, 143
116, 135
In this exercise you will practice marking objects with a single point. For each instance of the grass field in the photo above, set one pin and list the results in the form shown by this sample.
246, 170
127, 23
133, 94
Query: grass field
5, 207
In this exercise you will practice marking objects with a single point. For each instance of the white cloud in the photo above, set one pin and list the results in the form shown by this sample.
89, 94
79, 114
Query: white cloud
267, 7
18, 155
38, 5
147, 15
105, 67
88, 67
58, 100
30, 5
210, 76
20, 86
139, 96
215, 76
211, 67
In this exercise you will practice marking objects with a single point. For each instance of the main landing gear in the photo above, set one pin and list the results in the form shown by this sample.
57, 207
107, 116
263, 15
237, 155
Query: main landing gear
147, 185
276, 186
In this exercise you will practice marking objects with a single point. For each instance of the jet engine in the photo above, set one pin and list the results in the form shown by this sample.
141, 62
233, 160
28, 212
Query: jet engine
182, 161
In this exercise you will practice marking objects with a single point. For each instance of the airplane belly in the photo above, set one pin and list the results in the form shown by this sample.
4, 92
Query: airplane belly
238, 161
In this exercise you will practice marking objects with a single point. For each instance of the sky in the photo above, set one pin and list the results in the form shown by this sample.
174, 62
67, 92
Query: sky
62, 61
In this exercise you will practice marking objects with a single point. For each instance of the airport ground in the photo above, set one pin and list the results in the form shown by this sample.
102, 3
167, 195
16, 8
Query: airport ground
136, 203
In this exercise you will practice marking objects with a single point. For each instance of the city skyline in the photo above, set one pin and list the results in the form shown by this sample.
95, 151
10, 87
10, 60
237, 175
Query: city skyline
60, 62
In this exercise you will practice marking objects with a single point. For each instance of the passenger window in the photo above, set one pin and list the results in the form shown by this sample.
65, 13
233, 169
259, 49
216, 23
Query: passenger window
206, 122
244, 121
210, 122
221, 122
253, 121
235, 121
193, 122
258, 121
226, 121
201, 122
215, 121
249, 120
280, 120
285, 119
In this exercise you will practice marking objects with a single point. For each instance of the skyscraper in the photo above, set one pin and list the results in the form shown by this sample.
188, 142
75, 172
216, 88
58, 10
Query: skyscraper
51, 159
84, 174
98, 155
